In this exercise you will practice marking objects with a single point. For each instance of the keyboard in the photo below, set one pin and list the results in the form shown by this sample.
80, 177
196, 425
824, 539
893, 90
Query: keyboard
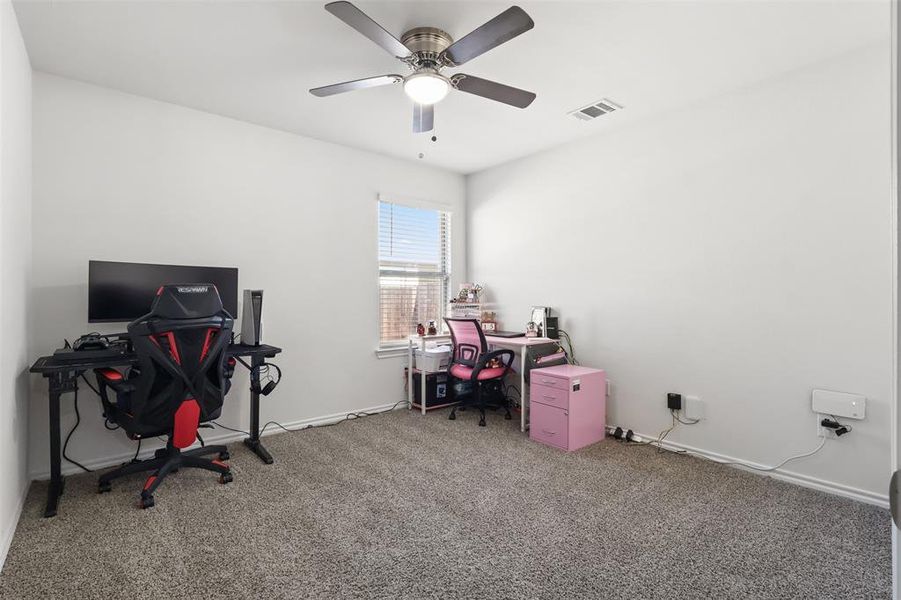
504, 334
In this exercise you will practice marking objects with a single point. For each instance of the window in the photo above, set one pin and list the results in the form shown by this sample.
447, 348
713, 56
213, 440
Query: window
414, 269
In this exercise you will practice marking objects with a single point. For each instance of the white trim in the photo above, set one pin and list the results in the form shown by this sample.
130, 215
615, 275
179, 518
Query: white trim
224, 438
8, 535
413, 202
895, 412
392, 351
807, 481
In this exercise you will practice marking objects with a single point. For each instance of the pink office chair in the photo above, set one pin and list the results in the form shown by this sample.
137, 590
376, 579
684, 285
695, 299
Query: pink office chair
470, 363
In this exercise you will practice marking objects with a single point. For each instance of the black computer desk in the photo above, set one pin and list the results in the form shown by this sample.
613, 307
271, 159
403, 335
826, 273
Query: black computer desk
62, 377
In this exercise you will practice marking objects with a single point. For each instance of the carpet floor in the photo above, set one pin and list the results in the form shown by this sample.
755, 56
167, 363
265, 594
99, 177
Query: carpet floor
400, 506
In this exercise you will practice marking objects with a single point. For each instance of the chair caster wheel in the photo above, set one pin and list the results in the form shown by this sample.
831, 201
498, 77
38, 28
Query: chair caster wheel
159, 453
103, 487
508, 416
224, 455
452, 417
146, 501
226, 478
481, 422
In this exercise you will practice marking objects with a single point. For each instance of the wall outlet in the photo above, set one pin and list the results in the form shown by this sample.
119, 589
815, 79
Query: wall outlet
692, 408
609, 389
824, 432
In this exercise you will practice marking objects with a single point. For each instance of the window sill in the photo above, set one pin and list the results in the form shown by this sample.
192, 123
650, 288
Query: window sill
392, 352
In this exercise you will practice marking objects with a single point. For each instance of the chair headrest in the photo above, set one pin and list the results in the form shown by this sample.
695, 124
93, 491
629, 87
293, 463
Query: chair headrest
187, 301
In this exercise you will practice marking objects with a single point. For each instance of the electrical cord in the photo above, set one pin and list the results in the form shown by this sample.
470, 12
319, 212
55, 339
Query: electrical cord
660, 448
660, 437
68, 437
679, 419
217, 424
138, 451
569, 342
349, 417
756, 468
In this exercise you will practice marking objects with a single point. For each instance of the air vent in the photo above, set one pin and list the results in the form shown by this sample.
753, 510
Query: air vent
593, 111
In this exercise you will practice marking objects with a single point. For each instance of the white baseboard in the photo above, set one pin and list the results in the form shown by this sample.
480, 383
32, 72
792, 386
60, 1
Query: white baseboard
7, 539
807, 481
213, 438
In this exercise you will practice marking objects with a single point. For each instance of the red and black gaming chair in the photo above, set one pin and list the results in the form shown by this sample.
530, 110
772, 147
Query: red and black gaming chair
181, 379
473, 363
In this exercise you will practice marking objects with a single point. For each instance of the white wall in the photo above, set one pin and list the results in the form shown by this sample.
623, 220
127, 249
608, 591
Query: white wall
738, 250
119, 177
15, 267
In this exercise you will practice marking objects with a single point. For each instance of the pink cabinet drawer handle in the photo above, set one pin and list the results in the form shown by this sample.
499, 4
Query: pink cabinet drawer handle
548, 431
548, 381
549, 397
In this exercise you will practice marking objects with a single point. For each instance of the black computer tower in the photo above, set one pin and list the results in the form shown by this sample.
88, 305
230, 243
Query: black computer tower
437, 391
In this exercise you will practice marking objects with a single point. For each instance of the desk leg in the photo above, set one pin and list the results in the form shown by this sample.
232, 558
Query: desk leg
410, 374
56, 479
253, 442
422, 378
524, 393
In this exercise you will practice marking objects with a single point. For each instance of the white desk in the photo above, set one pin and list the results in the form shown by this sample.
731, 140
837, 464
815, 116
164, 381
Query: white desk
519, 345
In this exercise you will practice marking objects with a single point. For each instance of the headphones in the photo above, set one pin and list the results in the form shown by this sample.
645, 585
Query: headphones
270, 385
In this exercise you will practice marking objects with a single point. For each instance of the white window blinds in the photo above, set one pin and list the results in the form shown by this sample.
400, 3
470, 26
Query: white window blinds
414, 269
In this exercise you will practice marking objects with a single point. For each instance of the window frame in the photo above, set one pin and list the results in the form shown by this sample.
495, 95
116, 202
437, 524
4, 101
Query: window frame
400, 347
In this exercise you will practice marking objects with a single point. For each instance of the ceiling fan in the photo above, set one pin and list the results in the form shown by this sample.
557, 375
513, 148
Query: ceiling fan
428, 50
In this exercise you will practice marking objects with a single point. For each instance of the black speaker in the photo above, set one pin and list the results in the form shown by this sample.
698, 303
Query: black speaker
553, 330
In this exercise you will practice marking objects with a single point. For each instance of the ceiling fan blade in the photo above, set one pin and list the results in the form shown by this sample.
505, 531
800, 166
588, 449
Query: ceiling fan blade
360, 21
502, 28
493, 90
357, 84
423, 117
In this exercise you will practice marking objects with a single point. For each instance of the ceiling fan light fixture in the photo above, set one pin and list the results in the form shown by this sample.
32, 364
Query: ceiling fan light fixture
426, 87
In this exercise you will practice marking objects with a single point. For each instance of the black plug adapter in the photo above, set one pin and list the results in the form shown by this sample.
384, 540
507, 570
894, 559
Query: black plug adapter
674, 401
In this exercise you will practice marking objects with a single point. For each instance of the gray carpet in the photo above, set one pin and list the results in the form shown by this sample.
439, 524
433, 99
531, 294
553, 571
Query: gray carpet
401, 506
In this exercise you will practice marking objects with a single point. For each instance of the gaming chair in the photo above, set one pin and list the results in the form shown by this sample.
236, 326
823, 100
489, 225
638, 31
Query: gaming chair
181, 379
471, 361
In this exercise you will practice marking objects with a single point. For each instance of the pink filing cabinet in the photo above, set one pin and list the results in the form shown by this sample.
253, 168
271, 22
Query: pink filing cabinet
567, 406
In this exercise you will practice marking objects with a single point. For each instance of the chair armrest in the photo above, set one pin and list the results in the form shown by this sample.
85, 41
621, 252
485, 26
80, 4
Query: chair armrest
489, 356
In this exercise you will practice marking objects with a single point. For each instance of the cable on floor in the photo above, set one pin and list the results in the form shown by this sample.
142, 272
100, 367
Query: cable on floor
349, 417
660, 448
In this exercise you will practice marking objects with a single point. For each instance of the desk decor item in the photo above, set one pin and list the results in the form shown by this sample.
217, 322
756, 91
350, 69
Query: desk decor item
469, 293
489, 321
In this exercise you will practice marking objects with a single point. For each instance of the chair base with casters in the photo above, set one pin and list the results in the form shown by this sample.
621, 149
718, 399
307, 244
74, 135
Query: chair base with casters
166, 461
491, 398
473, 363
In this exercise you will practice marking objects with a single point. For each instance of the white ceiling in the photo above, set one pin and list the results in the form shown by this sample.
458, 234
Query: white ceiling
255, 61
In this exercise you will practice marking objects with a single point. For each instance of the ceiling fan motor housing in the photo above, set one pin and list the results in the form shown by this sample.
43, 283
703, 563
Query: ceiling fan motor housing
426, 44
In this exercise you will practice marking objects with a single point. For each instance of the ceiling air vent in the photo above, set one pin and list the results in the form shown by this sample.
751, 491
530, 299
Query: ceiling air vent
592, 111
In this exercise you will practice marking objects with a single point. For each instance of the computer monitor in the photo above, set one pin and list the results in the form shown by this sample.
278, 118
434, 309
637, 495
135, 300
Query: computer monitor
122, 292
